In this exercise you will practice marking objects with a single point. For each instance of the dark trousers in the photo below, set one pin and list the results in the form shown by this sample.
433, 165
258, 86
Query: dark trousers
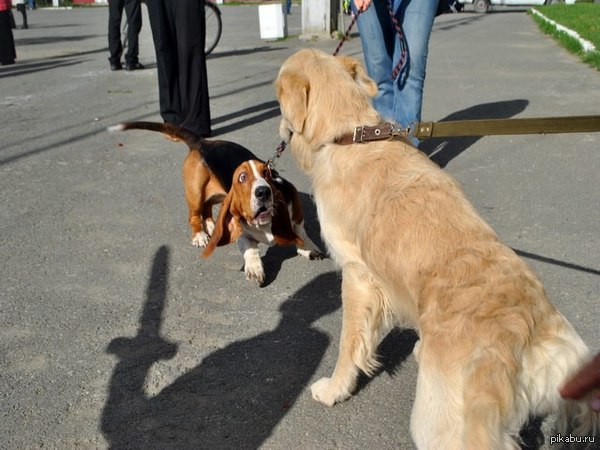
23, 10
178, 29
8, 53
133, 12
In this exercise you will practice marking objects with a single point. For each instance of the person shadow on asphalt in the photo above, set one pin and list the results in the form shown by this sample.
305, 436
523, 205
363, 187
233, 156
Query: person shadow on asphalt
236, 396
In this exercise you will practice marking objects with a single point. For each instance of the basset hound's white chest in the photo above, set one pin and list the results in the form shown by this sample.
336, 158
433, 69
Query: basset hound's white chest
262, 233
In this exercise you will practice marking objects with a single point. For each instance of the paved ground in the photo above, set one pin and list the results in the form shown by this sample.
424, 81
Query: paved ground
115, 333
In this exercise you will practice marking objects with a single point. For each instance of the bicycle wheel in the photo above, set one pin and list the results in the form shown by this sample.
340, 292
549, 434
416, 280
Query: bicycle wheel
213, 26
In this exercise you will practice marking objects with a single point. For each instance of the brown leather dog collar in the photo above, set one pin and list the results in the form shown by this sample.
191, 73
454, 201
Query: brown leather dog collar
381, 132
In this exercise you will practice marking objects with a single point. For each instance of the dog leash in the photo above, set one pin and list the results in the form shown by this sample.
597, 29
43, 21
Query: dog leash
347, 33
281, 147
484, 127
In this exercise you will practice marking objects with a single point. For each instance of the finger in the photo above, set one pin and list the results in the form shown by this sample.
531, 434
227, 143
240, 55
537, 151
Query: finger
584, 381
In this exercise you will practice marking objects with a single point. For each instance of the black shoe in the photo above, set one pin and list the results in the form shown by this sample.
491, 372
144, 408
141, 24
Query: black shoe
7, 63
134, 66
115, 66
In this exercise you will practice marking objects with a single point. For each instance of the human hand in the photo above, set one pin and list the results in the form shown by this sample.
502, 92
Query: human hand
585, 381
362, 5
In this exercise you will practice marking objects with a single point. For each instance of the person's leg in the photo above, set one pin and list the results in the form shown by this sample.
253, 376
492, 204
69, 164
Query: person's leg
7, 42
115, 48
376, 35
416, 18
133, 10
23, 10
193, 79
165, 44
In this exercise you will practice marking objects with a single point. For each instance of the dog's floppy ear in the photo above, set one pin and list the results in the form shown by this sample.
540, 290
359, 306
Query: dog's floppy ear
359, 74
281, 225
292, 92
227, 228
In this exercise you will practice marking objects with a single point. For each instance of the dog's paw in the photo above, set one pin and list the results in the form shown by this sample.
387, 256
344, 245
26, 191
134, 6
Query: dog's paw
200, 239
316, 254
311, 254
325, 392
255, 273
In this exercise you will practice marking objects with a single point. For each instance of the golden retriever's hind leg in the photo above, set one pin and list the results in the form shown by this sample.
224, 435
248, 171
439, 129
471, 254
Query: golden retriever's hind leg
490, 410
362, 311
468, 405
436, 421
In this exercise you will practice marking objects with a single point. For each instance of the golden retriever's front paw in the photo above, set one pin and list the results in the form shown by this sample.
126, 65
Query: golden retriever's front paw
325, 392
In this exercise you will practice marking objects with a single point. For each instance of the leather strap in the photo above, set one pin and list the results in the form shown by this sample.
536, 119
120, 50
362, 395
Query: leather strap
489, 127
486, 127
384, 131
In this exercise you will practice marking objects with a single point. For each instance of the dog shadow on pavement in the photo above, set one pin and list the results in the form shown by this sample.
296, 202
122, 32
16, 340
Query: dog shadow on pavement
236, 396
444, 150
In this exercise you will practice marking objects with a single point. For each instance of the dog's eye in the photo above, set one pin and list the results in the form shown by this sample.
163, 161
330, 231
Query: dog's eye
243, 177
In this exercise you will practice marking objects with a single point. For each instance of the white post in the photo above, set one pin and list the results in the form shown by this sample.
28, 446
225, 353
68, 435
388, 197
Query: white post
319, 18
272, 21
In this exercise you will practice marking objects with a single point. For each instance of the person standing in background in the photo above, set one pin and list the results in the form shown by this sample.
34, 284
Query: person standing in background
23, 10
178, 30
400, 95
133, 12
8, 54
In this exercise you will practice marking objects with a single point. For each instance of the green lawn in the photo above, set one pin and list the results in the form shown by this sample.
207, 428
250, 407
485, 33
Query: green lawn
584, 18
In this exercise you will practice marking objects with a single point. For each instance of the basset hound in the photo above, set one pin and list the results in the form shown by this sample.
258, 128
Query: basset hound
258, 204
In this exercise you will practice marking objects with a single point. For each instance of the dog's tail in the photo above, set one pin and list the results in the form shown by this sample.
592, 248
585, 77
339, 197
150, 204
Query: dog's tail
502, 389
576, 415
173, 132
552, 365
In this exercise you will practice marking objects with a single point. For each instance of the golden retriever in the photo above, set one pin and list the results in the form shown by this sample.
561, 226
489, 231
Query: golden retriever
492, 349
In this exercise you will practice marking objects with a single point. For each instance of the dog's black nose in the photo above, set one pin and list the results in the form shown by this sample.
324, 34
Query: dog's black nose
263, 193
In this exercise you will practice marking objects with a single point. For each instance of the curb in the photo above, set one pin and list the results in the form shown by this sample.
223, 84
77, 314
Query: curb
586, 45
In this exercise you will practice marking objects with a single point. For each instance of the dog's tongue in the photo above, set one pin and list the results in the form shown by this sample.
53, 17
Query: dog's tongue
263, 216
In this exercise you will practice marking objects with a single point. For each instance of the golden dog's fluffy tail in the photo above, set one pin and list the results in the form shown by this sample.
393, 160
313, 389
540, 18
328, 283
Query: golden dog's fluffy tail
555, 362
171, 131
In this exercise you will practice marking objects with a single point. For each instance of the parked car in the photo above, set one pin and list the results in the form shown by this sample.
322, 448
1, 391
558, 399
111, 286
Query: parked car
483, 6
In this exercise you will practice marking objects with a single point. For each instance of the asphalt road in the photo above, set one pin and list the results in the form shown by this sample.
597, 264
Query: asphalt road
115, 333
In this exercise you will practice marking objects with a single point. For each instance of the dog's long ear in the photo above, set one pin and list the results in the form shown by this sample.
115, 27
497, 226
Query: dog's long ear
281, 225
359, 74
227, 228
292, 92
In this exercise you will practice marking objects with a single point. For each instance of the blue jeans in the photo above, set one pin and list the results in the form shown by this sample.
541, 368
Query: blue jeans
398, 100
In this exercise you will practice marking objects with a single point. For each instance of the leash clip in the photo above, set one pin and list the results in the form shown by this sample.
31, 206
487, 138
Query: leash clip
278, 151
398, 131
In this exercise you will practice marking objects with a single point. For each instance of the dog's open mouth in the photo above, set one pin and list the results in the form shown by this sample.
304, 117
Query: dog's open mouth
263, 215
